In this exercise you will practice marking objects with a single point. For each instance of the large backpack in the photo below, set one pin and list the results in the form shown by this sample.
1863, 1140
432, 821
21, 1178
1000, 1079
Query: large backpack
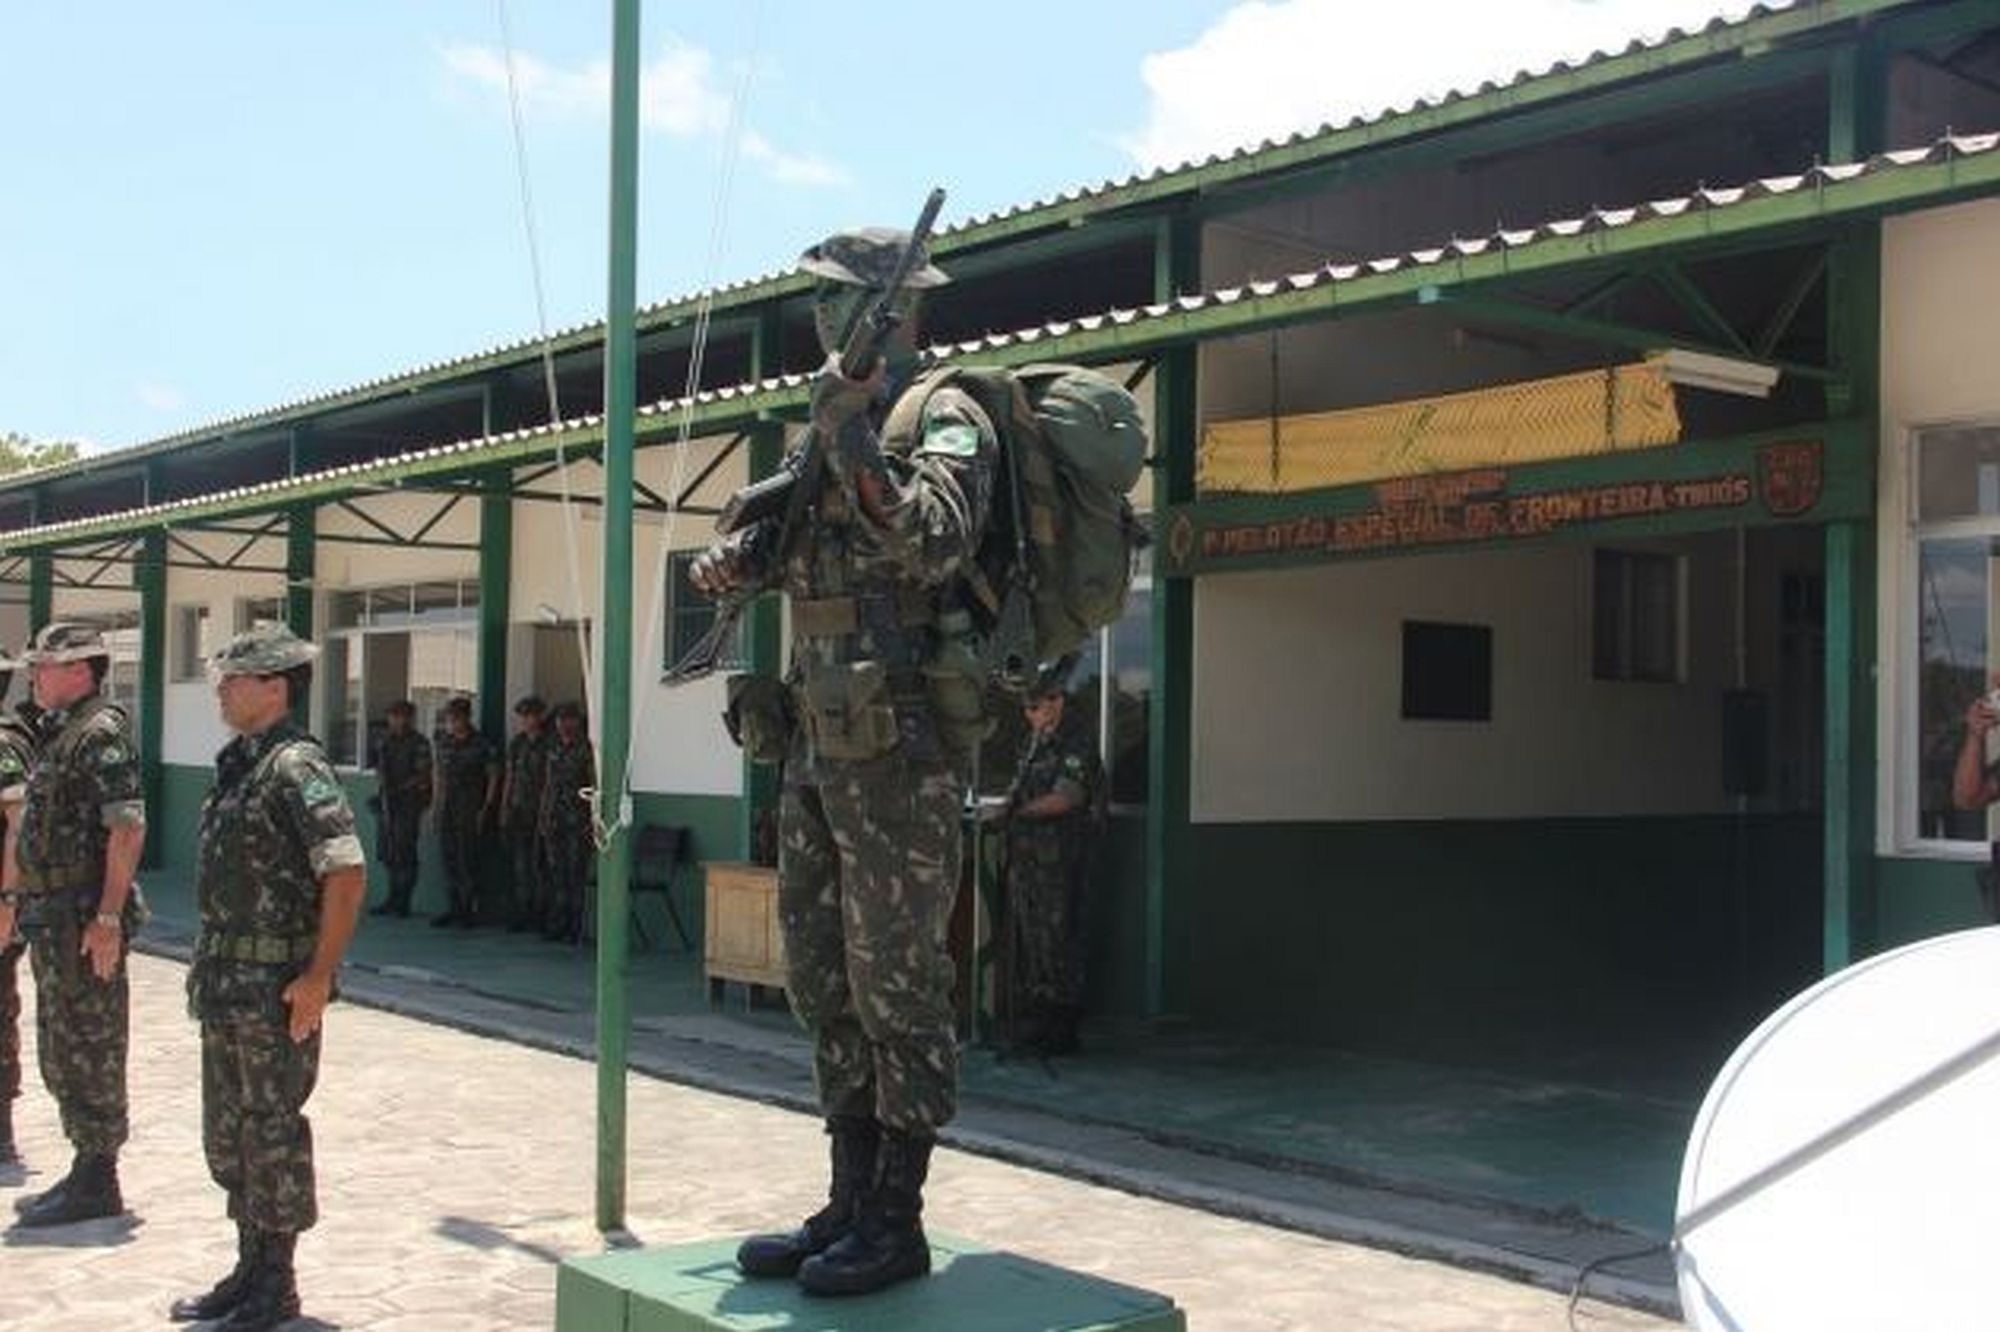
1063, 534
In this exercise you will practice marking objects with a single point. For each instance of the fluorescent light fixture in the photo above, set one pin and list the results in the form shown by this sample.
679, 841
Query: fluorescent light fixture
1723, 374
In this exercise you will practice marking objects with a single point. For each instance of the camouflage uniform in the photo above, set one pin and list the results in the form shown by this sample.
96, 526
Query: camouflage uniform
403, 786
527, 771
868, 818
275, 823
86, 781
465, 768
19, 742
563, 828
1047, 859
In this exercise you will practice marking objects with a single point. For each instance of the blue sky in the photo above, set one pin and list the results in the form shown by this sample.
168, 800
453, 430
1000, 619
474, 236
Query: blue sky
211, 207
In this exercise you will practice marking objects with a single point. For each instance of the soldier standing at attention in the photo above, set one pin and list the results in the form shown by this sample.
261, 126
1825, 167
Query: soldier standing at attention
869, 816
20, 738
72, 846
403, 790
278, 882
563, 826
1051, 821
469, 791
521, 811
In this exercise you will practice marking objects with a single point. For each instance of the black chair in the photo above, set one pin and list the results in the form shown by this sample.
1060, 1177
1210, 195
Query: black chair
660, 852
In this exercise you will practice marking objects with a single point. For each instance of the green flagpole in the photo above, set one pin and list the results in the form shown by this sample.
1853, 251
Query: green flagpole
614, 625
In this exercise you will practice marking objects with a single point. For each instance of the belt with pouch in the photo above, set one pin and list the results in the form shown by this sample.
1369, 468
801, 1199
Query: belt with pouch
270, 949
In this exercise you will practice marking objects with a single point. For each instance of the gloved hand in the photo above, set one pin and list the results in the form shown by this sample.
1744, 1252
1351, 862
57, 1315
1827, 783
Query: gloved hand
719, 570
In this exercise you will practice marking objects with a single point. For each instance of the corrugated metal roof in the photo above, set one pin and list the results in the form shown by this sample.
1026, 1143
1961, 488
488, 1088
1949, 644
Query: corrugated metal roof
657, 420
1734, 27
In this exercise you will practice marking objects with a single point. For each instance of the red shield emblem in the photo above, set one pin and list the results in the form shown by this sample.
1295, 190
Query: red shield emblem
1790, 477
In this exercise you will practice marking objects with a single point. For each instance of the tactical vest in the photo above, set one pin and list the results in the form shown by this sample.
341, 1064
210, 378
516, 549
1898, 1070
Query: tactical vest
254, 869
62, 838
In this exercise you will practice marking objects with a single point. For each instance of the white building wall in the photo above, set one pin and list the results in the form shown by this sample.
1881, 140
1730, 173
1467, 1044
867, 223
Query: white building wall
678, 743
1940, 289
1298, 694
192, 729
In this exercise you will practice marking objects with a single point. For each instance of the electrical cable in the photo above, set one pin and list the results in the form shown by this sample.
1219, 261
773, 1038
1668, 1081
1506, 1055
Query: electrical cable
1583, 1275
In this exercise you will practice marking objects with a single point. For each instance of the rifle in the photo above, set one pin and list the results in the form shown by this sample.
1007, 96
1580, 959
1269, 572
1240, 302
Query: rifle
788, 494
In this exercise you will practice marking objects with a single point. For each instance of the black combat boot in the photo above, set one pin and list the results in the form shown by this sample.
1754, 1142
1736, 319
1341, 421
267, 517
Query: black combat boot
229, 1292
273, 1294
9, 1154
887, 1242
88, 1193
851, 1142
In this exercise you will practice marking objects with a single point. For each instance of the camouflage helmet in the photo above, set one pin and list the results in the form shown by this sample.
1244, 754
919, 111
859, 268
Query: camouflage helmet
268, 649
64, 641
1052, 679
867, 258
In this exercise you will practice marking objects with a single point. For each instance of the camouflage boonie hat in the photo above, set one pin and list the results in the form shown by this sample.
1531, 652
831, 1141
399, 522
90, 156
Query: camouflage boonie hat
867, 258
63, 641
1052, 680
269, 649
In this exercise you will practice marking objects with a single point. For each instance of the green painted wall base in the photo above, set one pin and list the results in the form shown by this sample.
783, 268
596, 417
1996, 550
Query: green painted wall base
690, 1287
1915, 899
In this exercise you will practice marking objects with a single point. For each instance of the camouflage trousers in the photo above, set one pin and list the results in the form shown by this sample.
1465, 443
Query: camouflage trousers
530, 881
10, 1022
396, 847
1044, 934
255, 1081
868, 864
82, 1030
566, 853
461, 839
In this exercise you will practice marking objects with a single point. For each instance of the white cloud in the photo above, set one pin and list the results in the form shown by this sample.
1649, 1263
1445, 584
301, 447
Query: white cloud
159, 397
1267, 69
679, 95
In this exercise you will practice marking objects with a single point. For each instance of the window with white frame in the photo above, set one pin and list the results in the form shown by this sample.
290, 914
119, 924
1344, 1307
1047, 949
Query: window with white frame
1636, 616
189, 642
1956, 535
121, 636
415, 641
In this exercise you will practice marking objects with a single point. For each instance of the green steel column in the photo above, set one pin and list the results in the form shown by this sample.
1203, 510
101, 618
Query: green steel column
496, 582
301, 568
41, 574
1169, 721
150, 576
762, 646
614, 626
1856, 97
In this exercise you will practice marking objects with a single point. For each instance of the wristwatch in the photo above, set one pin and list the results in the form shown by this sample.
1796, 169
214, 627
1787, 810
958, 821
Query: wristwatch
110, 920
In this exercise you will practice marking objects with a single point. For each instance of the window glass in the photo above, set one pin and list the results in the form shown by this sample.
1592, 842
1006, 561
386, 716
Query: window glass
253, 612
689, 615
1635, 616
190, 644
1958, 473
1955, 589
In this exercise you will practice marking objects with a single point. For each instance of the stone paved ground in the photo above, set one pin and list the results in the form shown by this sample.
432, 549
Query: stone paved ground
455, 1170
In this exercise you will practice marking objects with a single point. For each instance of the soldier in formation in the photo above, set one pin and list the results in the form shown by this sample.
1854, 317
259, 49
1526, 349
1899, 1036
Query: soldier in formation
869, 814
468, 776
521, 811
564, 825
20, 740
278, 883
72, 846
1052, 821
402, 794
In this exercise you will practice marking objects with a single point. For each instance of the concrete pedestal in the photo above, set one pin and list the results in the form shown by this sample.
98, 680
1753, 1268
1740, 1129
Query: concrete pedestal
692, 1287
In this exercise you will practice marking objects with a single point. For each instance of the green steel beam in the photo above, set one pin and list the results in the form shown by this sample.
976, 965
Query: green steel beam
1170, 719
1787, 313
150, 573
1674, 279
41, 589
1770, 220
301, 575
1598, 330
614, 857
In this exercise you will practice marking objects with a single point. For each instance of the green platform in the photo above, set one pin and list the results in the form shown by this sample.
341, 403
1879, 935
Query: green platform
696, 1286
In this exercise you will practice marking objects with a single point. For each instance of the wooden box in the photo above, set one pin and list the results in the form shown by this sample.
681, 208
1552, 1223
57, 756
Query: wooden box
743, 940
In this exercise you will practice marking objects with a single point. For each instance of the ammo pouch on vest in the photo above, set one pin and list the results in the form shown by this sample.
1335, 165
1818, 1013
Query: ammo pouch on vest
850, 712
955, 684
759, 717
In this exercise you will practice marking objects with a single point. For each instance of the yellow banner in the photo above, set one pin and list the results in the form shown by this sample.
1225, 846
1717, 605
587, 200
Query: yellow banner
1593, 411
